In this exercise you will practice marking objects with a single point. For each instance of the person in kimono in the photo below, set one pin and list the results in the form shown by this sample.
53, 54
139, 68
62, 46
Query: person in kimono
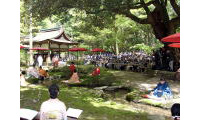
74, 78
162, 90
96, 71
53, 108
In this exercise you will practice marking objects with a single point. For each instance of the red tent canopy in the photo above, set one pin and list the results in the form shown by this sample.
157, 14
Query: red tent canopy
175, 45
77, 49
97, 50
39, 48
175, 38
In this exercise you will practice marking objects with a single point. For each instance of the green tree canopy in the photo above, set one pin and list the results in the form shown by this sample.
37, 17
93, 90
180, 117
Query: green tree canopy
162, 15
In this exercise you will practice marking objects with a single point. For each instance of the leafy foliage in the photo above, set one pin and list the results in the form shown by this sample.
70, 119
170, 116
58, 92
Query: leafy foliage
114, 25
163, 16
23, 57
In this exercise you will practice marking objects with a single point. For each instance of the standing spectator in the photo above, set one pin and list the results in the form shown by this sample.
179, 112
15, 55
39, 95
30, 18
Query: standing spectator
171, 65
55, 61
40, 60
35, 60
48, 60
53, 109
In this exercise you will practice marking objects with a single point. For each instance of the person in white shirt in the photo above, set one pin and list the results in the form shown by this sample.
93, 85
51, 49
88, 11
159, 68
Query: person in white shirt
40, 60
53, 109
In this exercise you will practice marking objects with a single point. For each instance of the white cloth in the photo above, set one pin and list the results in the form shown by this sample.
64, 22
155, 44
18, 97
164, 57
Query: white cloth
53, 109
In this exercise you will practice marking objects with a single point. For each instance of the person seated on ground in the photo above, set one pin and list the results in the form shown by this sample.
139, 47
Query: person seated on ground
33, 72
22, 79
162, 90
74, 78
42, 74
53, 109
96, 71
175, 111
72, 68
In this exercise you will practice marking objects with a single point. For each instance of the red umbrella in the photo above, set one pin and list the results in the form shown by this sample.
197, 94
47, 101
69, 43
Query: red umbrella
175, 45
175, 38
77, 49
97, 50
21, 47
39, 48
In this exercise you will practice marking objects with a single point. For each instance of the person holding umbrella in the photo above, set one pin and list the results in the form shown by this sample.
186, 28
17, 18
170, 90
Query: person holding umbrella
77, 50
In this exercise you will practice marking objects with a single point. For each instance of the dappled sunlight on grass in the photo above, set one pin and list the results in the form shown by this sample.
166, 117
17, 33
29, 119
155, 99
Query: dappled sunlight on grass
95, 105
94, 108
117, 106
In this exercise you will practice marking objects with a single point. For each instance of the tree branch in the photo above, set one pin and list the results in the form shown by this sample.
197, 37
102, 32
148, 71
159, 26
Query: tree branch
140, 5
135, 18
175, 7
175, 21
145, 7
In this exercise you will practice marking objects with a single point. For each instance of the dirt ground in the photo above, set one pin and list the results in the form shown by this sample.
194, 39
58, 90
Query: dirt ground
148, 82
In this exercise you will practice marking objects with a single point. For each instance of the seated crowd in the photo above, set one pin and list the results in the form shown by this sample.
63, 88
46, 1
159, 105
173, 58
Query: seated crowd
137, 60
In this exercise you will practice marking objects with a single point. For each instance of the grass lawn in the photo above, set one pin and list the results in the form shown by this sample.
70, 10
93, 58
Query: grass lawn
90, 101
94, 107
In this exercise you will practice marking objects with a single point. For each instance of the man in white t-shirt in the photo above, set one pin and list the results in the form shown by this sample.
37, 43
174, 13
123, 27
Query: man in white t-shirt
53, 109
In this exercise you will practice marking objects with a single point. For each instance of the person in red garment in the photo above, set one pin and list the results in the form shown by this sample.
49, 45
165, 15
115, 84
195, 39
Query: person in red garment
72, 68
96, 71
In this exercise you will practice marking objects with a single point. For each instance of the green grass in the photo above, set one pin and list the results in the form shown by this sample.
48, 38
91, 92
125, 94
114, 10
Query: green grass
89, 100
94, 107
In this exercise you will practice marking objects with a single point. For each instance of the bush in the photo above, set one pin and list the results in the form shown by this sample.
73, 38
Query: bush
134, 95
24, 57
79, 62
64, 72
147, 49
104, 79
33, 80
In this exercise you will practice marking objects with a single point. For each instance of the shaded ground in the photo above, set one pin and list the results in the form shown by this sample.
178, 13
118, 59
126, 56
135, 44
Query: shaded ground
146, 82
143, 81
